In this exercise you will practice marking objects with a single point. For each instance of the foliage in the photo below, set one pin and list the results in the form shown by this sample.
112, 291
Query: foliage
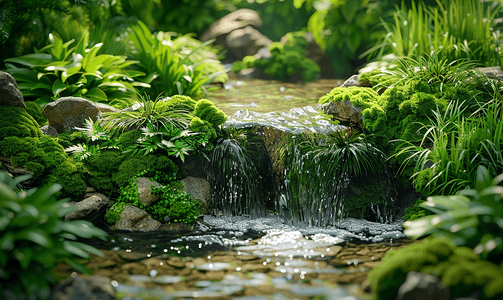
177, 16
240, 155
144, 112
34, 237
472, 217
460, 29
457, 267
344, 29
177, 205
170, 69
278, 16
416, 212
288, 61
132, 166
453, 146
58, 71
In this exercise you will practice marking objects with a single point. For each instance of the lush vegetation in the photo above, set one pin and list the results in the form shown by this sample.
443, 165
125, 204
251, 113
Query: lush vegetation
34, 237
288, 60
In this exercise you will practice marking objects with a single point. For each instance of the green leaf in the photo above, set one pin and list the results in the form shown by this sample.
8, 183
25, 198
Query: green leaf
71, 69
97, 95
92, 66
58, 86
24, 255
31, 60
41, 85
74, 248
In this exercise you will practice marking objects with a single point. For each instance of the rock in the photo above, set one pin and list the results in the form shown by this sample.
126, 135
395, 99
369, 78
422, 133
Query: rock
230, 22
352, 81
423, 286
144, 186
176, 227
495, 71
9, 92
136, 219
84, 288
246, 41
199, 188
89, 209
345, 112
50, 131
68, 112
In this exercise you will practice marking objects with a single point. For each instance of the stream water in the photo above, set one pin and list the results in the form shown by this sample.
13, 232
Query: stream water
238, 257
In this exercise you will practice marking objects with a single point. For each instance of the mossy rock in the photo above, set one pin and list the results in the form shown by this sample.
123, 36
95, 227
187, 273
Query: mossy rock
36, 112
16, 121
457, 267
113, 215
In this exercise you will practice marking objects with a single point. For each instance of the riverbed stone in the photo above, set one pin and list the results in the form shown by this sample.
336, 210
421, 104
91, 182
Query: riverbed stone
84, 288
136, 219
9, 92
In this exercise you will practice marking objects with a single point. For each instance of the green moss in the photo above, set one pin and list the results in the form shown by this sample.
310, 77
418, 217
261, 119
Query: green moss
457, 267
35, 111
113, 215
132, 166
206, 110
71, 137
205, 128
175, 204
20, 119
177, 102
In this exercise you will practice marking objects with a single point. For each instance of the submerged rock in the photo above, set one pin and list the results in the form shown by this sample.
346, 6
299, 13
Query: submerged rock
84, 288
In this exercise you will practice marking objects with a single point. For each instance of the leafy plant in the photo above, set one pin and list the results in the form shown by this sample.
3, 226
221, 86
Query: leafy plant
177, 205
34, 237
145, 111
58, 70
460, 29
169, 71
288, 60
472, 217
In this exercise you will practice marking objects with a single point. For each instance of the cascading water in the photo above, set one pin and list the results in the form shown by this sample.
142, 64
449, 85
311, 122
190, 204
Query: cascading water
312, 177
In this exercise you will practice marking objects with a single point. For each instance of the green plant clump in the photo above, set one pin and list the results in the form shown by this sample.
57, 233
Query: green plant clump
175, 204
34, 238
40, 154
57, 71
288, 60
457, 267
36, 112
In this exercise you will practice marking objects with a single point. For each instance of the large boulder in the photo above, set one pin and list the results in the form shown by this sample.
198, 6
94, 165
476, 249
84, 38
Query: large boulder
136, 219
9, 92
90, 209
230, 22
144, 189
199, 188
246, 41
69, 112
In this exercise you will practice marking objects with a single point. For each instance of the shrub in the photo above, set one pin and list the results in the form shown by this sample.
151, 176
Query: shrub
470, 218
288, 60
57, 71
34, 237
